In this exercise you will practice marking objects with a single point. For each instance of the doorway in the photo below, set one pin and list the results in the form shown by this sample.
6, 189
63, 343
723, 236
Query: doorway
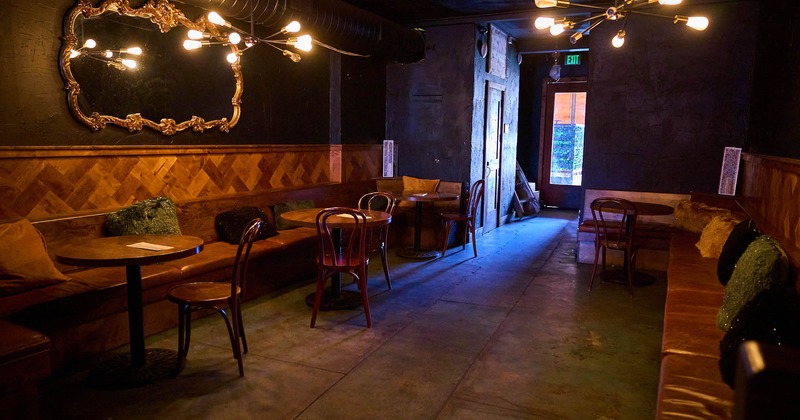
561, 154
495, 94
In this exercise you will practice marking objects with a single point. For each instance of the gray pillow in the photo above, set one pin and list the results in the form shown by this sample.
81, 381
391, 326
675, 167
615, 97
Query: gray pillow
154, 216
763, 266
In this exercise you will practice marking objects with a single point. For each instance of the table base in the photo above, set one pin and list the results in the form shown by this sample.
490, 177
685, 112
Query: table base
117, 373
417, 254
347, 299
620, 277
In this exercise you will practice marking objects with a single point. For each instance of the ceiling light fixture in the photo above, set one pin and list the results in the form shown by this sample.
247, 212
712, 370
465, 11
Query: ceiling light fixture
199, 39
618, 11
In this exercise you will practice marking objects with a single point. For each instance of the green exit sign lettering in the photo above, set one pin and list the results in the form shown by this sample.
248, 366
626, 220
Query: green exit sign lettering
573, 60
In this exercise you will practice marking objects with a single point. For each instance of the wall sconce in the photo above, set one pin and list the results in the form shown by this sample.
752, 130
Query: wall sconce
119, 59
198, 39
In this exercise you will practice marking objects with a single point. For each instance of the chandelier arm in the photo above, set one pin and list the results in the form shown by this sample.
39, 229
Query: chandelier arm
636, 12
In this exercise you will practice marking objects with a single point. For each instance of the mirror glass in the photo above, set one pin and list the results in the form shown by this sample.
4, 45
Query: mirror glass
163, 86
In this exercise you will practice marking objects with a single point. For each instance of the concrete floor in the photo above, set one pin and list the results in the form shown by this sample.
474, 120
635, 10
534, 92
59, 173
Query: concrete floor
513, 333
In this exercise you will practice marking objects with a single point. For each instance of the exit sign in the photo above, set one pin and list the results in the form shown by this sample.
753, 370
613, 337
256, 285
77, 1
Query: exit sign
573, 60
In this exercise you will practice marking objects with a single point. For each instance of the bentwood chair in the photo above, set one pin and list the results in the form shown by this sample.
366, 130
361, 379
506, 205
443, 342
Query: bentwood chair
343, 252
614, 224
219, 296
377, 237
468, 218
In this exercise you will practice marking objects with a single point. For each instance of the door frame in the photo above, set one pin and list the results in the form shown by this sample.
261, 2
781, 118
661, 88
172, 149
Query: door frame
546, 121
500, 140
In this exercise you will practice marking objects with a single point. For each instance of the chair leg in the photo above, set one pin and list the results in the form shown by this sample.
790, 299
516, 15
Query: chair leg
233, 334
181, 362
631, 271
364, 297
447, 225
385, 263
594, 267
466, 237
474, 242
318, 296
188, 335
241, 327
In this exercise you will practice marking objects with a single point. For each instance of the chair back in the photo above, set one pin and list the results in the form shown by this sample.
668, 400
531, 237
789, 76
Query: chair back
341, 246
242, 261
475, 197
381, 201
614, 222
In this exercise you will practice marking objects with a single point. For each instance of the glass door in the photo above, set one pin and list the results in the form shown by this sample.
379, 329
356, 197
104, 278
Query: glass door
562, 145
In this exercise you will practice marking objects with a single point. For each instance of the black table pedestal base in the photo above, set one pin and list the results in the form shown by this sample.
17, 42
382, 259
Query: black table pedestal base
417, 254
621, 277
117, 372
347, 299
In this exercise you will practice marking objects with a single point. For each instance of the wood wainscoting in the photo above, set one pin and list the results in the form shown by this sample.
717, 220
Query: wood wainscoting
45, 182
771, 196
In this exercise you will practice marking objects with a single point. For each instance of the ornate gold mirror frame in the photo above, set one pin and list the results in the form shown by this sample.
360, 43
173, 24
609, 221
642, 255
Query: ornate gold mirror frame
166, 16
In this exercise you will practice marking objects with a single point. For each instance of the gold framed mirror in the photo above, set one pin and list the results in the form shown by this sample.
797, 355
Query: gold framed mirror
123, 66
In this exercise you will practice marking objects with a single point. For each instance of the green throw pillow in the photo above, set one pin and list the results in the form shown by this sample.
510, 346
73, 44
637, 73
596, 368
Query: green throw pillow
281, 208
763, 266
154, 216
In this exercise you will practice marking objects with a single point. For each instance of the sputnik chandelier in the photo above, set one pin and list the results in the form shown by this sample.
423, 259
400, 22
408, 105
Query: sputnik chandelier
618, 11
233, 36
119, 59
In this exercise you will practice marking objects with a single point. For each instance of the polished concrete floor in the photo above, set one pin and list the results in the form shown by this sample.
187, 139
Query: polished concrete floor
513, 333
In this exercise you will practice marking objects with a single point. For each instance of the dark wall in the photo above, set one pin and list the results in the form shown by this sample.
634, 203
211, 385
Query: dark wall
662, 108
283, 102
363, 100
776, 84
430, 105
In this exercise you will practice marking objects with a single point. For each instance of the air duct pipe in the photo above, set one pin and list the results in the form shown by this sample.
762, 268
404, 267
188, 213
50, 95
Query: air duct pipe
333, 22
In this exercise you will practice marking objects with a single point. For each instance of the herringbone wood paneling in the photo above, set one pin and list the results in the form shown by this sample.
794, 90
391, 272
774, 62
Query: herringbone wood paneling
40, 183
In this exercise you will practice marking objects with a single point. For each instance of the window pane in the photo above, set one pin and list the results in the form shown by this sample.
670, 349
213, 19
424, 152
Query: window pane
569, 121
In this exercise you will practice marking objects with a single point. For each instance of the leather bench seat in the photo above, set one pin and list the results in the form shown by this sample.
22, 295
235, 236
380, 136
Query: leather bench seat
691, 387
24, 359
687, 269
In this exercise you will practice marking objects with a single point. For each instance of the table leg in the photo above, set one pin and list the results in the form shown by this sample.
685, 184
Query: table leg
140, 366
417, 252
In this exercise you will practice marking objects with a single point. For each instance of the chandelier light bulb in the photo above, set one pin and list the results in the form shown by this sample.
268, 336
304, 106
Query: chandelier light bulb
108, 54
234, 38
618, 40
669, 2
292, 27
74, 53
90, 43
191, 44
557, 29
232, 58
132, 50
195, 34
216, 19
697, 22
302, 43
546, 3
543, 22
129, 63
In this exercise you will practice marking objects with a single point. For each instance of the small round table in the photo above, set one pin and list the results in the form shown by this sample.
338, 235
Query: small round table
335, 298
140, 366
416, 251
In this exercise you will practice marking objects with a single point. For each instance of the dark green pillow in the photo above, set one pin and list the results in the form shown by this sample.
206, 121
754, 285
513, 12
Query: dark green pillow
231, 224
154, 216
738, 240
763, 266
281, 208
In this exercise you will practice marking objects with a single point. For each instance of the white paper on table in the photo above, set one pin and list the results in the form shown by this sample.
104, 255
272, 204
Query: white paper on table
420, 194
150, 247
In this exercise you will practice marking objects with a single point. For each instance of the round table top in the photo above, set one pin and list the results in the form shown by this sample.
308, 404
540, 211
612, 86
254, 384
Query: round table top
115, 251
308, 218
425, 196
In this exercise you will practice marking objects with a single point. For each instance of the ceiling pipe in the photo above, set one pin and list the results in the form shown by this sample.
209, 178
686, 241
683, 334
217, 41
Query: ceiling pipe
334, 22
